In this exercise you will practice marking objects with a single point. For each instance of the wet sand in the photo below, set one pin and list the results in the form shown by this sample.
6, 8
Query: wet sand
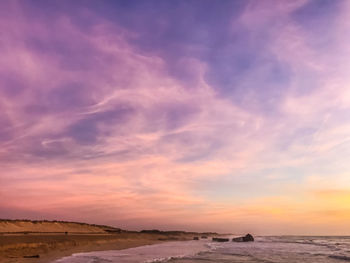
15, 248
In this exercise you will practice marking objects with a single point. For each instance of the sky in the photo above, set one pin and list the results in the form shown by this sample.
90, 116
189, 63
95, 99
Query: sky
227, 116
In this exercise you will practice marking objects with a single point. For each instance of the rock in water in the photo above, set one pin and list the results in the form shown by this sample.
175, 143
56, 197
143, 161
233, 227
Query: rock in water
237, 239
218, 239
246, 238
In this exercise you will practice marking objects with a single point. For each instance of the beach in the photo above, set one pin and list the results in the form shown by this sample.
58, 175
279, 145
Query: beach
70, 242
13, 248
19, 243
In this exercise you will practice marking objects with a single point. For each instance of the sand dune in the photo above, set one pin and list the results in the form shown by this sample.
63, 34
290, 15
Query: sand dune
42, 241
17, 226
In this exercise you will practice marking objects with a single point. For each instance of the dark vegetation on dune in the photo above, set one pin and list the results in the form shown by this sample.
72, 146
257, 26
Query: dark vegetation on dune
156, 231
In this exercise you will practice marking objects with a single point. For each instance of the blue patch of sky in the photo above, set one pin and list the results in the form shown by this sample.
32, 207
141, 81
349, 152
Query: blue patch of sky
238, 187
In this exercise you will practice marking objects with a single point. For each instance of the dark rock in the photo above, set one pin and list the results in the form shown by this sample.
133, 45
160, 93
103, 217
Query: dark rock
237, 239
204, 237
153, 231
196, 238
33, 256
246, 238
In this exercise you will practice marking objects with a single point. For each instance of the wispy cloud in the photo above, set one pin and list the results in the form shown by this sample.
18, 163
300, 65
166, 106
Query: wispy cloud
208, 122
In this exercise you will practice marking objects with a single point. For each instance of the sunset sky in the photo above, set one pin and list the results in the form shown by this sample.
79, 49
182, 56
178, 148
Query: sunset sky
228, 116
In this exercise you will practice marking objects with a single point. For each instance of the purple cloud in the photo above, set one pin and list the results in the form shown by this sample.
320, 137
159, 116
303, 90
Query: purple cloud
172, 108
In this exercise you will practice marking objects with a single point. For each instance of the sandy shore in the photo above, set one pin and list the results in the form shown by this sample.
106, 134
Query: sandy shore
45, 241
16, 248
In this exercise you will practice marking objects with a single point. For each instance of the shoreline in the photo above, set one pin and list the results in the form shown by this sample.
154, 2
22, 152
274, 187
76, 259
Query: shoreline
14, 247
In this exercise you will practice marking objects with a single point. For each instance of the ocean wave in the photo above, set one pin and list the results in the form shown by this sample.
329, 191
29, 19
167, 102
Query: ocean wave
313, 241
165, 259
213, 246
206, 247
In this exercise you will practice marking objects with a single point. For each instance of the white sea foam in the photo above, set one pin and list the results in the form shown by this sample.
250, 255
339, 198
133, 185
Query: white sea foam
145, 254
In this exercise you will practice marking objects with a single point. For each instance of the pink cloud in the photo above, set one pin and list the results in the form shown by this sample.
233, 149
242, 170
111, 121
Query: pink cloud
95, 129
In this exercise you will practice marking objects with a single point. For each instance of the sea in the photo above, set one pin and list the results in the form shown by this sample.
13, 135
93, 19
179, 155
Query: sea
272, 249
